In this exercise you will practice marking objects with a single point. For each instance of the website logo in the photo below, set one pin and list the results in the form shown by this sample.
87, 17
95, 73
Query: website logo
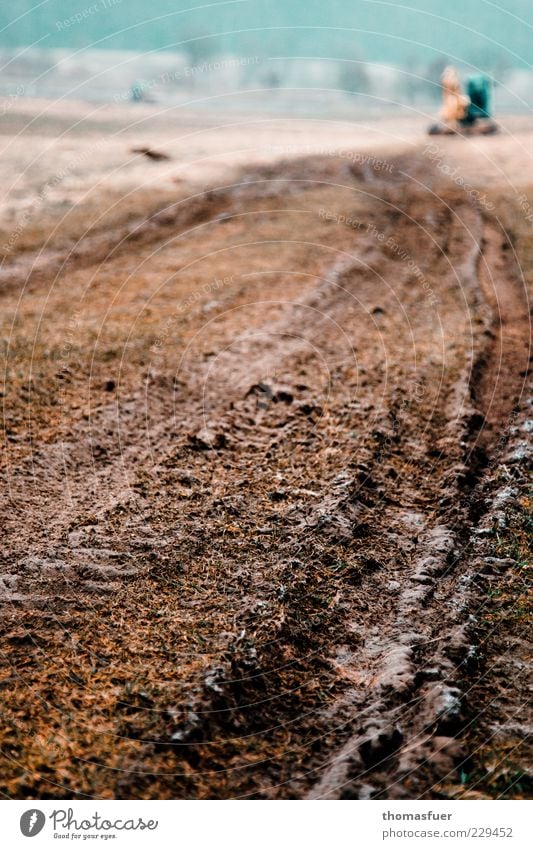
32, 822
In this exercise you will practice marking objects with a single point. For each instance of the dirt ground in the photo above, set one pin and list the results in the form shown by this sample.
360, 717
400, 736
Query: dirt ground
265, 452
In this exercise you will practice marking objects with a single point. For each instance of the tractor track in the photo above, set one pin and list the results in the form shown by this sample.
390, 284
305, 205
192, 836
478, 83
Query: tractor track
252, 571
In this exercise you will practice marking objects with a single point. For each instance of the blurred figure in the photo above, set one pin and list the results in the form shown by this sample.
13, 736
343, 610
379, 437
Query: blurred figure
455, 103
478, 90
137, 92
464, 113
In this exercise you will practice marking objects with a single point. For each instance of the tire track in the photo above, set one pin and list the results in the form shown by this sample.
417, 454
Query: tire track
295, 495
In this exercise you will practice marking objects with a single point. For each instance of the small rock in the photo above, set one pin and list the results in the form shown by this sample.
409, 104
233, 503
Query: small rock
207, 440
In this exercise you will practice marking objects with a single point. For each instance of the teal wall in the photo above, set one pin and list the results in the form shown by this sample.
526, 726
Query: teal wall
469, 30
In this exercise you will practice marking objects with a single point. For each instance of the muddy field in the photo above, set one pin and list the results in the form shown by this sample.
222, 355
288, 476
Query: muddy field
266, 430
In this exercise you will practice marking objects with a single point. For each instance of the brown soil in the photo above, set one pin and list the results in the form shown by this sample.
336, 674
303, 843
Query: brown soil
250, 444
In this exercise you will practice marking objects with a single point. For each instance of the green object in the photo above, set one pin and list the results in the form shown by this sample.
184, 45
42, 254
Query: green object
478, 90
137, 93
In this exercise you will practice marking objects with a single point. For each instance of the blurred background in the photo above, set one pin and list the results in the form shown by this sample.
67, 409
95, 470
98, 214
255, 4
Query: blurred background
365, 56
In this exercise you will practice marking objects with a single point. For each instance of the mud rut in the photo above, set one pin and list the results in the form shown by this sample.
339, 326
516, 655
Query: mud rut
253, 571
